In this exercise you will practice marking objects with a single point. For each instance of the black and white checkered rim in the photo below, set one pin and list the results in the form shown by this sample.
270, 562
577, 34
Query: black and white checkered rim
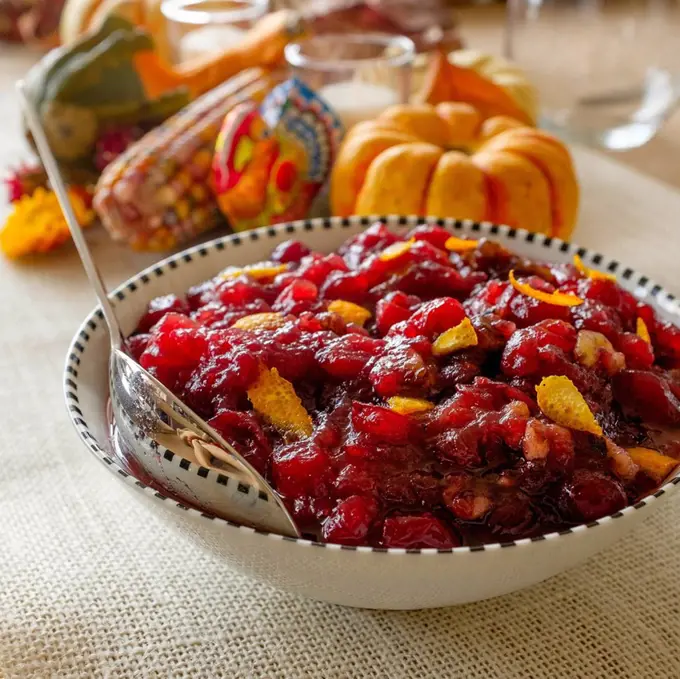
644, 287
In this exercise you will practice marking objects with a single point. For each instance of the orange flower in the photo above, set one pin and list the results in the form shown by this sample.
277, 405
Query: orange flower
36, 223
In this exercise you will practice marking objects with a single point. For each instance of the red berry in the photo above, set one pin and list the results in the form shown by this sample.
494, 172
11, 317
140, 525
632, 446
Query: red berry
350, 521
289, 251
437, 316
638, 352
347, 357
435, 235
590, 495
301, 469
419, 531
381, 424
158, 307
137, 344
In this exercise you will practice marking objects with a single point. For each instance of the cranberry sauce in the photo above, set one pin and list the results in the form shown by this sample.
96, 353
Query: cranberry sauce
417, 436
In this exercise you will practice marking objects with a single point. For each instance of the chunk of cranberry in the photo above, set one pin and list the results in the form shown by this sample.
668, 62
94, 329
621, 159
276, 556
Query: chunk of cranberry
549, 341
401, 371
437, 316
667, 339
525, 310
597, 317
297, 298
351, 520
137, 344
354, 479
289, 251
315, 268
300, 469
381, 424
601, 290
352, 287
435, 235
590, 495
512, 515
638, 352
419, 531
647, 395
158, 307
466, 498
175, 348
377, 237
390, 311
237, 292
244, 432
347, 357
459, 371
487, 298
431, 279
200, 295
232, 373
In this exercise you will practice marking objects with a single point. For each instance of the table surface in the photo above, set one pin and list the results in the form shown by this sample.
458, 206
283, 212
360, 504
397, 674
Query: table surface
91, 585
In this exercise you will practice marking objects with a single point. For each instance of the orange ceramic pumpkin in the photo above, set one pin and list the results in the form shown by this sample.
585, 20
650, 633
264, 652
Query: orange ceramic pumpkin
447, 161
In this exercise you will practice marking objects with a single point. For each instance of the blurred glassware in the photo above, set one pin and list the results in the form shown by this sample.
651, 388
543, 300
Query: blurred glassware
608, 71
199, 27
358, 74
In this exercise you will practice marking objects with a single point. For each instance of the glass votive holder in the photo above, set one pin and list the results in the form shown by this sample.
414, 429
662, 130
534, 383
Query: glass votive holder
199, 27
358, 74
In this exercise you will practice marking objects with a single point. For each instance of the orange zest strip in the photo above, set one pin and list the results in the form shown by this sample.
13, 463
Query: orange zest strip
459, 337
556, 298
409, 406
258, 271
560, 400
592, 273
455, 244
651, 462
275, 399
396, 250
643, 331
349, 312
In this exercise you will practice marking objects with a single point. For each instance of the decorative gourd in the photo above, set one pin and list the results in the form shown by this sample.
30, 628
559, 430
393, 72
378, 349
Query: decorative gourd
491, 84
450, 161
114, 76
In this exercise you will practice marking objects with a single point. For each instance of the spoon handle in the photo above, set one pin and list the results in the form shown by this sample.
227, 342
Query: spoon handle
59, 187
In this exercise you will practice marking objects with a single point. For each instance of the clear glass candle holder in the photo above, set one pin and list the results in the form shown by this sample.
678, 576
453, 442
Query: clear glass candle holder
608, 72
199, 27
358, 74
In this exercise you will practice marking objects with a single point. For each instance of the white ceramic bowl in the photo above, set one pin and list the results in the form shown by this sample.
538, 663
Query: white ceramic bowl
353, 576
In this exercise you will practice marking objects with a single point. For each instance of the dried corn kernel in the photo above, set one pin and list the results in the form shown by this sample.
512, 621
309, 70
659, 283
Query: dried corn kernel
350, 312
264, 321
396, 250
651, 462
258, 271
592, 273
409, 406
459, 337
275, 399
556, 298
643, 331
455, 244
560, 400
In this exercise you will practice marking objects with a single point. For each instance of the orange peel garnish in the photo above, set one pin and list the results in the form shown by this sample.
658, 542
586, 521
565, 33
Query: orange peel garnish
396, 250
556, 298
653, 463
642, 330
275, 399
459, 337
405, 405
259, 271
264, 321
560, 400
349, 312
592, 273
455, 244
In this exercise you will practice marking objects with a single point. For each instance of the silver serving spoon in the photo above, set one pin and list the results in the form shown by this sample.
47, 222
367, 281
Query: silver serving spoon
173, 445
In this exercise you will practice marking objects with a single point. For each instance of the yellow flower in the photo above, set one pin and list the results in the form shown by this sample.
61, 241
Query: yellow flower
36, 223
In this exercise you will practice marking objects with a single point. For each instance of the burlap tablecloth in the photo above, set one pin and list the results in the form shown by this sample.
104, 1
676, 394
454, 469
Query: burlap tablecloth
92, 586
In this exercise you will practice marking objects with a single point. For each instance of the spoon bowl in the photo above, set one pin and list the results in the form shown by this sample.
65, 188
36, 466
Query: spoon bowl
153, 429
